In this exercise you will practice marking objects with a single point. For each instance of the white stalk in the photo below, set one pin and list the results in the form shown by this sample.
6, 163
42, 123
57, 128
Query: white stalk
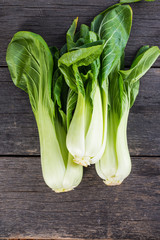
85, 135
124, 160
76, 132
53, 167
115, 164
98, 156
73, 174
60, 173
108, 162
94, 136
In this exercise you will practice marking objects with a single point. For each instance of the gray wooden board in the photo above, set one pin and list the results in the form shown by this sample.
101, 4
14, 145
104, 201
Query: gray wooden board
17, 120
51, 20
28, 208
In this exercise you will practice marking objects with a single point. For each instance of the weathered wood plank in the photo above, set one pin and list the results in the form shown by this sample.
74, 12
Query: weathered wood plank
19, 135
30, 209
51, 19
13, 100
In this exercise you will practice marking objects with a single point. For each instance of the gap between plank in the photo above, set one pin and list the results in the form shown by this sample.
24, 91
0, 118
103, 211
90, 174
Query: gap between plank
38, 156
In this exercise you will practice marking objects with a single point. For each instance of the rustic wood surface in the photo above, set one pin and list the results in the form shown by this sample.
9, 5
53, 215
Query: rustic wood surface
92, 210
17, 120
28, 208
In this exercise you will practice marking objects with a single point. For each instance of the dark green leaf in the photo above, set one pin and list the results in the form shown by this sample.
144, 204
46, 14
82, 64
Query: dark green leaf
60, 91
89, 44
114, 29
31, 65
95, 24
71, 104
116, 91
140, 51
84, 33
60, 88
81, 57
141, 65
144, 59
70, 62
134, 92
55, 55
87, 76
70, 35
95, 68
63, 50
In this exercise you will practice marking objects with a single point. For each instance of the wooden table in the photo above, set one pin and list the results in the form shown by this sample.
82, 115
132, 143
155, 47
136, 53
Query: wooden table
28, 208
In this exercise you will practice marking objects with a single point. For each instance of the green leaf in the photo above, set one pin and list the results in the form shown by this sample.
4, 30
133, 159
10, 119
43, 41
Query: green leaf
87, 76
95, 68
56, 72
31, 69
141, 65
71, 105
84, 33
57, 79
30, 64
117, 95
63, 50
114, 29
82, 37
71, 61
134, 89
81, 57
59, 86
70, 35
60, 92
122, 61
134, 92
140, 51
68, 74
95, 24
144, 59
89, 44
79, 82
55, 56
77, 40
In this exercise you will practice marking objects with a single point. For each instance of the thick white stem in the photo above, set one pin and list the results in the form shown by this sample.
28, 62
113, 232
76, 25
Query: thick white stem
94, 137
98, 156
115, 164
76, 132
53, 167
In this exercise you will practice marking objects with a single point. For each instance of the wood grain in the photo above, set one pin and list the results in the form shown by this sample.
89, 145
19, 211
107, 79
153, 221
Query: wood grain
51, 20
17, 120
30, 209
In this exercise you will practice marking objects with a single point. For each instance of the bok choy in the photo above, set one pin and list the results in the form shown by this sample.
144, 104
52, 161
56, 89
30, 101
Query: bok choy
119, 87
81, 96
80, 67
31, 67
113, 27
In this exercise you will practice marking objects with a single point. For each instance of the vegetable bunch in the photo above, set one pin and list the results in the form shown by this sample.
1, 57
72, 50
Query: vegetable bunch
81, 96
